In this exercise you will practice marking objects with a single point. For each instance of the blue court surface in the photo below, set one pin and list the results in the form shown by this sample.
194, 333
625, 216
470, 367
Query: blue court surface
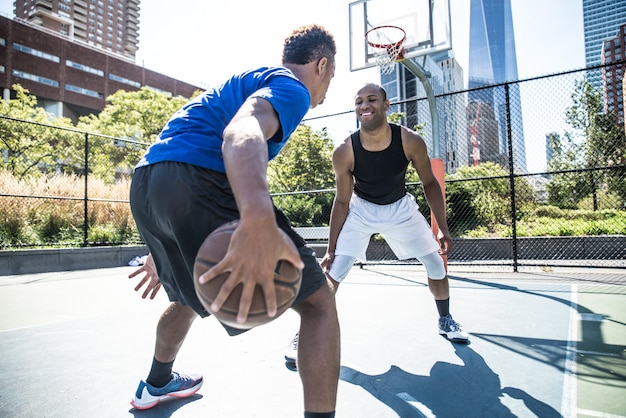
544, 343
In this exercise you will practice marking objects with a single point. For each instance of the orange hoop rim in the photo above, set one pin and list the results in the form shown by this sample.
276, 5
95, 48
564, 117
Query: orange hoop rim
386, 46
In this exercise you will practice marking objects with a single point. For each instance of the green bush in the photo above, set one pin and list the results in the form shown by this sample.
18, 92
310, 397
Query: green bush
101, 234
301, 209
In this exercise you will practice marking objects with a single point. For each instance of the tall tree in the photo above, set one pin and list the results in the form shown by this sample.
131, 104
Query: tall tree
136, 118
29, 143
305, 164
597, 140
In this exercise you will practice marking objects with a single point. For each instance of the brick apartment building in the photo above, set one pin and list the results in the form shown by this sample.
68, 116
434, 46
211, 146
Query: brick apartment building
71, 77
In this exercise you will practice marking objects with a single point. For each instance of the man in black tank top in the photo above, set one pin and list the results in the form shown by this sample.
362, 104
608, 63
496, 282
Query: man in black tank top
379, 177
370, 168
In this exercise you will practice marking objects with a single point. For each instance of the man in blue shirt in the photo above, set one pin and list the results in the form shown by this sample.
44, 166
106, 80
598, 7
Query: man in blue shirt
207, 167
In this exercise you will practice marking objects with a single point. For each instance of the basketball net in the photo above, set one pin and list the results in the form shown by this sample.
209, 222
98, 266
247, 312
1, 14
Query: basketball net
387, 42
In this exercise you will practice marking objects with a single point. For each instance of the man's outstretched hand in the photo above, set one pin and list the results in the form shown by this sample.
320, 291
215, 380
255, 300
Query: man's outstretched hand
150, 279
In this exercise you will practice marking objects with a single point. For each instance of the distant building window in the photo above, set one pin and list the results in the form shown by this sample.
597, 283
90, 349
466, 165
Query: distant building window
84, 68
36, 78
81, 90
36, 52
124, 80
3, 42
167, 93
2, 69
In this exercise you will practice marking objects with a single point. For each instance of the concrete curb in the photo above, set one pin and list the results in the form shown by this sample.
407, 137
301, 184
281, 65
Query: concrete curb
66, 259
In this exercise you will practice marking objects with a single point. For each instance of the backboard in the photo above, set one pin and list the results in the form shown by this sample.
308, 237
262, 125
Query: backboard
426, 23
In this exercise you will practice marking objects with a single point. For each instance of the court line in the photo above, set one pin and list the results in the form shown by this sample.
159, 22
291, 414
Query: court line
569, 399
599, 353
597, 414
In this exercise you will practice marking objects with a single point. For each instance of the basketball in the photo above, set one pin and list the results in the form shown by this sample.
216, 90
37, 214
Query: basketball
287, 279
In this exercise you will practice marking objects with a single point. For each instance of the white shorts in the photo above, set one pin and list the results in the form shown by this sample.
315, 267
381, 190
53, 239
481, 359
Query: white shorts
401, 224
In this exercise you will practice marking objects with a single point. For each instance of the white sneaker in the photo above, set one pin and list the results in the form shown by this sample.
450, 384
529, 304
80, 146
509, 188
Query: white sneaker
452, 330
291, 353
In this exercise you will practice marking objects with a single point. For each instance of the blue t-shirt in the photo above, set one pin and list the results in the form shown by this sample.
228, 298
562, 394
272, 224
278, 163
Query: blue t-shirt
194, 133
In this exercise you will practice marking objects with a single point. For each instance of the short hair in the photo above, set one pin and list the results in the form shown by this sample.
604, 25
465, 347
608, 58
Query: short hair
382, 90
307, 44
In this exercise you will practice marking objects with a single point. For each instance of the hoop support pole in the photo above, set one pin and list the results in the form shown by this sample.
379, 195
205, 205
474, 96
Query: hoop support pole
439, 171
419, 72
436, 162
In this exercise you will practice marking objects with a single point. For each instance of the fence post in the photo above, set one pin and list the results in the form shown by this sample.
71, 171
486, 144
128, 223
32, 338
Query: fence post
509, 140
85, 206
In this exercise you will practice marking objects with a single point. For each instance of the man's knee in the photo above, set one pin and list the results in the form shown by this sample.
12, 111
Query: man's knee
435, 268
322, 300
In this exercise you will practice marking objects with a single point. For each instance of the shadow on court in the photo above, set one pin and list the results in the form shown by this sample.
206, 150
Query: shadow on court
473, 387
165, 409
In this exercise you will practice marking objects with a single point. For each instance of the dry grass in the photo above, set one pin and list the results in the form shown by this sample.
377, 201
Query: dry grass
53, 211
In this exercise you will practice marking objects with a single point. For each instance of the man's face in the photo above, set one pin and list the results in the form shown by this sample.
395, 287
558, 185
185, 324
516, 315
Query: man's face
370, 107
326, 73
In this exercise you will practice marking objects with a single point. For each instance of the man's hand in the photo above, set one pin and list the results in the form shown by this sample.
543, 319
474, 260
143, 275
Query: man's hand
251, 259
445, 242
151, 278
327, 261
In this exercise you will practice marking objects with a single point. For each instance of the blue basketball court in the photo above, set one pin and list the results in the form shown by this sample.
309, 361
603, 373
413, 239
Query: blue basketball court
543, 344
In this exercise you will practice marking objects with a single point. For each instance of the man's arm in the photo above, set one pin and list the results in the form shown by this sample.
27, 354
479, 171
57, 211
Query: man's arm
342, 165
256, 245
418, 154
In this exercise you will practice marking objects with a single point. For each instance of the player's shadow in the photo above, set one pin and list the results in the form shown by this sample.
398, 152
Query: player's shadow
451, 390
166, 408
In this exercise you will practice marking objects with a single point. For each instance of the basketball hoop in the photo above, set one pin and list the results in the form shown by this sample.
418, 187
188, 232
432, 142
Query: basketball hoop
388, 42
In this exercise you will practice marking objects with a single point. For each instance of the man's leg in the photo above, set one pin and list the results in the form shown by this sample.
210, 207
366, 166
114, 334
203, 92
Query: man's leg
439, 286
441, 291
172, 329
340, 268
162, 382
319, 350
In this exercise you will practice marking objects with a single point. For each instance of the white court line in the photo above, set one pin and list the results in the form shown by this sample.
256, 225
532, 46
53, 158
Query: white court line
598, 353
598, 414
568, 402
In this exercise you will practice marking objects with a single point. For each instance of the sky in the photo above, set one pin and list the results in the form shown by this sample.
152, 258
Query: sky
204, 42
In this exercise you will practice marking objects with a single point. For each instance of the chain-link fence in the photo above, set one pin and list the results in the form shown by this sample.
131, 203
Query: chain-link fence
535, 170
535, 175
64, 187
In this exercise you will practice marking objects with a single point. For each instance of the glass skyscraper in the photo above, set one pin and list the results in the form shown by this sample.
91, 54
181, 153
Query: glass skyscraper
601, 19
492, 60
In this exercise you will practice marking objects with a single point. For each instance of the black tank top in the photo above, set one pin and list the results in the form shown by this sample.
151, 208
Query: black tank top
379, 176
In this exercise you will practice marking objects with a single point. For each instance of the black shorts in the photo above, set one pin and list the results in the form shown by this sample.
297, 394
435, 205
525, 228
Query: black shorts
175, 206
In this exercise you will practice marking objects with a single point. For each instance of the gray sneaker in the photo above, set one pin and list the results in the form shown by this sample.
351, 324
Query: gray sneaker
452, 330
291, 353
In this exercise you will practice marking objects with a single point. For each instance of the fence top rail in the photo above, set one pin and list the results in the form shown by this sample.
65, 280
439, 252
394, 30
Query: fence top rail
75, 130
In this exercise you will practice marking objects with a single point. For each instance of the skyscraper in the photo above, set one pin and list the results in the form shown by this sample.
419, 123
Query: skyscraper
613, 52
492, 61
111, 25
601, 20
445, 76
452, 127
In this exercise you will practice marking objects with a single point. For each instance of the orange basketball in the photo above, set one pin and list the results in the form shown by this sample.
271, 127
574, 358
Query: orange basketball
287, 279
